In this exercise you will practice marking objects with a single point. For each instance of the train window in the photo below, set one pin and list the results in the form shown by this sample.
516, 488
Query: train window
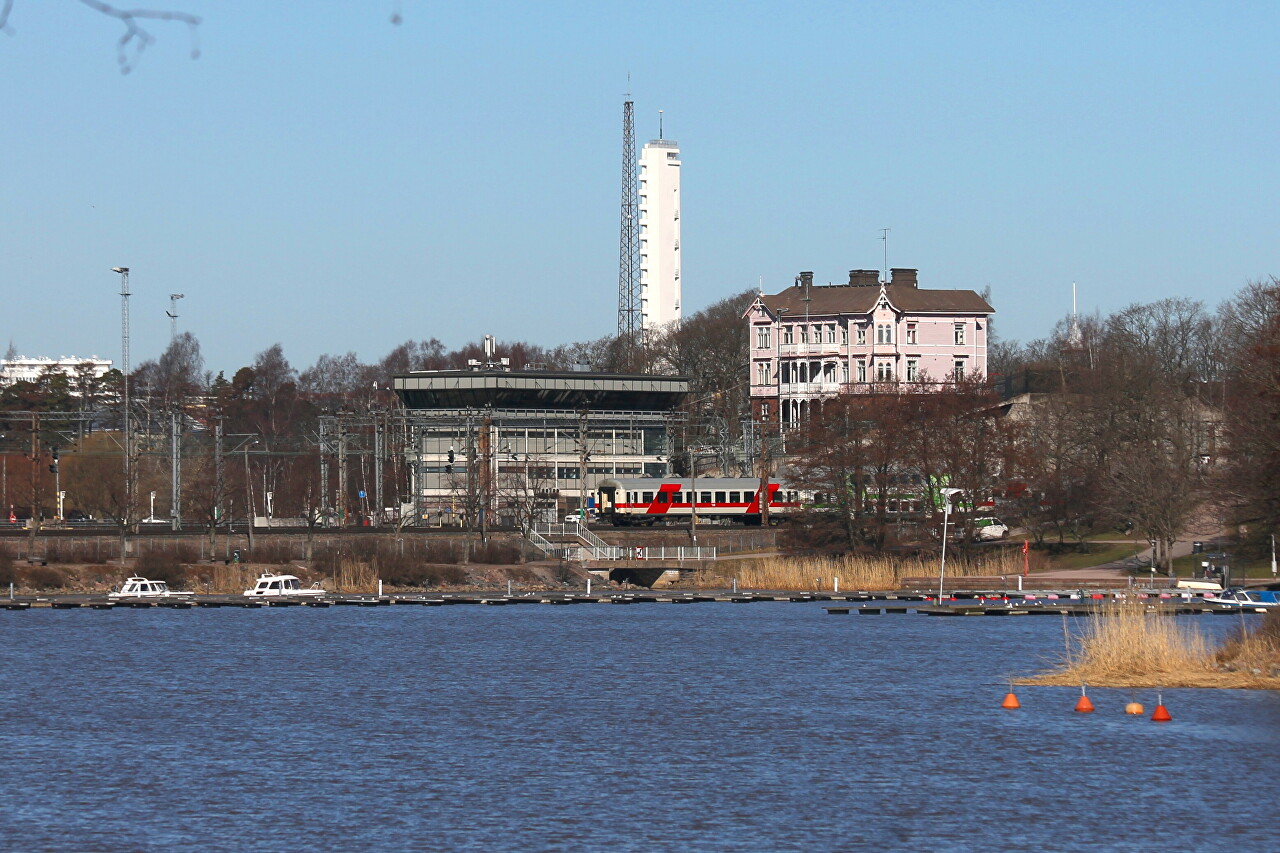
706, 497
735, 497
663, 497
720, 497
648, 498
891, 506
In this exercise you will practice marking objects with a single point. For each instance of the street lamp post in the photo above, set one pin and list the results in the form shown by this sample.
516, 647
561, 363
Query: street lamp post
123, 272
946, 515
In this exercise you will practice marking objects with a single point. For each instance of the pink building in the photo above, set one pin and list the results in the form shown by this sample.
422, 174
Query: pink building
812, 341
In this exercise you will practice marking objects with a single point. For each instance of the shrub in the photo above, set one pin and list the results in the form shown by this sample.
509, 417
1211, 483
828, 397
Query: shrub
498, 553
7, 574
163, 565
442, 575
45, 577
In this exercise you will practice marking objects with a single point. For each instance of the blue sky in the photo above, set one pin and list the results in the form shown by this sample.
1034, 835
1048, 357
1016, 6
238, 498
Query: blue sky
323, 179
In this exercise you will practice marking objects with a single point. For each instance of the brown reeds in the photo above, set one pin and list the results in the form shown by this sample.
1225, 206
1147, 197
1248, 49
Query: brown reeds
854, 571
353, 575
1131, 643
1255, 653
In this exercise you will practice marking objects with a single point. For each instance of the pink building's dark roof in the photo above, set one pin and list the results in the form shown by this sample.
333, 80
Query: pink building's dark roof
861, 299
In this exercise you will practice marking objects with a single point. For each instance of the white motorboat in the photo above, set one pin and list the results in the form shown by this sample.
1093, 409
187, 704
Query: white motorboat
136, 587
1257, 600
272, 585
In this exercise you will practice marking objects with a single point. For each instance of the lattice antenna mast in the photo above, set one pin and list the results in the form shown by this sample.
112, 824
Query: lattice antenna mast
629, 314
173, 314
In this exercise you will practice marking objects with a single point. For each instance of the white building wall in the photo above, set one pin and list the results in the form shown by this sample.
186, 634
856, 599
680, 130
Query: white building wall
23, 369
659, 234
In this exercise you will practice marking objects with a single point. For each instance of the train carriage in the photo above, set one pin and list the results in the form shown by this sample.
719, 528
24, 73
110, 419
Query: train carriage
652, 500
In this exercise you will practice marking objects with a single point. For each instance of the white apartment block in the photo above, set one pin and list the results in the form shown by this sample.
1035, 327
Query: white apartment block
659, 234
23, 369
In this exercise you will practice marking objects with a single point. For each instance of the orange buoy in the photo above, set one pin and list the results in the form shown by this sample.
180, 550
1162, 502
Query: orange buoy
1010, 702
1084, 705
1161, 713
1134, 708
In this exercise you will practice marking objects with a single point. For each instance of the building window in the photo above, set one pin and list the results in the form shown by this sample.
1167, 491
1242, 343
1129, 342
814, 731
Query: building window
788, 336
764, 410
831, 334
912, 334
862, 370
884, 333
762, 337
844, 335
913, 370
959, 370
804, 334
862, 334
959, 334
844, 372
884, 371
762, 373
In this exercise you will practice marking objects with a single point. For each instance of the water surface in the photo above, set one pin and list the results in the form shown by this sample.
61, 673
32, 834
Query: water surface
644, 727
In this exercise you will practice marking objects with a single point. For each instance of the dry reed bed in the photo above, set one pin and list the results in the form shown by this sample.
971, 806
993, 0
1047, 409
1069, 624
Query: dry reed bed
815, 574
1128, 645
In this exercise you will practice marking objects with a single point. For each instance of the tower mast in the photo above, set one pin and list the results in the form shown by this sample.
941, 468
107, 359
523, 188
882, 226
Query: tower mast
629, 314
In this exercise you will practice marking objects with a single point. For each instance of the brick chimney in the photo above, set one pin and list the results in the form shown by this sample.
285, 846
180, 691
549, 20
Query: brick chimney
864, 278
904, 277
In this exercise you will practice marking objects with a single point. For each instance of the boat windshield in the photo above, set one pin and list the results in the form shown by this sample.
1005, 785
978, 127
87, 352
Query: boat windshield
292, 583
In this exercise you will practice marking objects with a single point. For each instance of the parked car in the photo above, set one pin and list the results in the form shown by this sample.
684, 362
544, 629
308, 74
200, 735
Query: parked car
987, 528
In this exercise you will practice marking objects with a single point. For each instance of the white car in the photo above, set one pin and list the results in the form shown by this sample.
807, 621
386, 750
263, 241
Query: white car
988, 528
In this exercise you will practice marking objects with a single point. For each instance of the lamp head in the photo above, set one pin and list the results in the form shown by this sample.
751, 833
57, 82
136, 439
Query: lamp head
120, 269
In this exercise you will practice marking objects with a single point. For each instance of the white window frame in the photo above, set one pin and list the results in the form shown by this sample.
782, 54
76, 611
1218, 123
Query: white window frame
913, 333
862, 335
959, 330
762, 337
913, 370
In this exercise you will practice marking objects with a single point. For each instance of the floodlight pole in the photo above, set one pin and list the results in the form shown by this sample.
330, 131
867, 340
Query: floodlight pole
123, 272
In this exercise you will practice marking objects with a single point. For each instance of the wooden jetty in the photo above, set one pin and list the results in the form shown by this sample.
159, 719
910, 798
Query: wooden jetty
862, 603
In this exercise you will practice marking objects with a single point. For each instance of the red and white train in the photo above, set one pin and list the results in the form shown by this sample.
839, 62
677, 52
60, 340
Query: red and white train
651, 500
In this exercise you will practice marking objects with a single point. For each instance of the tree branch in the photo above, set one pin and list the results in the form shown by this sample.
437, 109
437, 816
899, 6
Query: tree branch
135, 38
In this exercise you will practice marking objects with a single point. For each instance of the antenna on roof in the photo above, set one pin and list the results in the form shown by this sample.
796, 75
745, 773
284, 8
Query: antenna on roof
659, 124
884, 236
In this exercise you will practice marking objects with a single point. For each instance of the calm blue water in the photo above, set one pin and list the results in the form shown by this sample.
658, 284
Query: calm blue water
592, 727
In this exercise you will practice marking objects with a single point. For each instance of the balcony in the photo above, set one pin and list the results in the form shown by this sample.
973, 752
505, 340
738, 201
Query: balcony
809, 389
810, 349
